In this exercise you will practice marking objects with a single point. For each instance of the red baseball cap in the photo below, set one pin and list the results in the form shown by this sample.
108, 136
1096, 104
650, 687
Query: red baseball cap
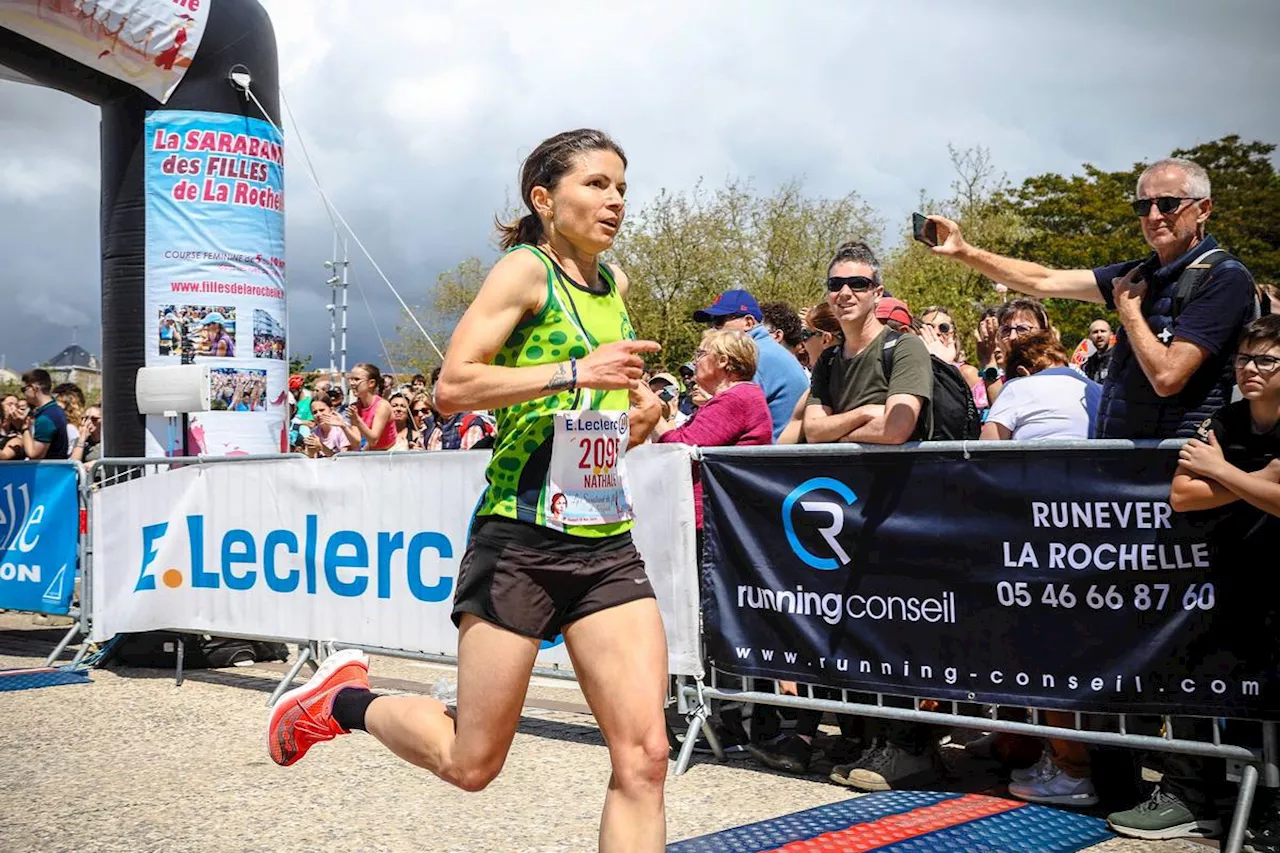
295, 382
889, 308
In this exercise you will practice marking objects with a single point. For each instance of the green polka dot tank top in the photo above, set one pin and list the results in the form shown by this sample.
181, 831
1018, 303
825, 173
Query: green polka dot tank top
572, 323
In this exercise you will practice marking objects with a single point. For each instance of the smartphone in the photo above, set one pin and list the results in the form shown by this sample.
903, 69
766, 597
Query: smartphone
304, 430
924, 230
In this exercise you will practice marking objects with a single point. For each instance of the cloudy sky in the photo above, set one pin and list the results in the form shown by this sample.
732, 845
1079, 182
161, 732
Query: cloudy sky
417, 117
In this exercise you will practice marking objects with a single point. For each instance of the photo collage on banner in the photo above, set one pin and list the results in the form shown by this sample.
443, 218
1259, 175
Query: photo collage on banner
216, 276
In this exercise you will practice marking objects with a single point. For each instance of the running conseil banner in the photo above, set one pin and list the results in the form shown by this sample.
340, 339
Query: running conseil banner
360, 549
1056, 578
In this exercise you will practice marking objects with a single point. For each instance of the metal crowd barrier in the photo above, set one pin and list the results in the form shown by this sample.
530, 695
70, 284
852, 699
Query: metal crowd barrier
1257, 765
111, 471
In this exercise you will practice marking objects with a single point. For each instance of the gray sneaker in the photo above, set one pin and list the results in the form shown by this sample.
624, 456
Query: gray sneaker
1041, 768
1056, 788
884, 768
1163, 816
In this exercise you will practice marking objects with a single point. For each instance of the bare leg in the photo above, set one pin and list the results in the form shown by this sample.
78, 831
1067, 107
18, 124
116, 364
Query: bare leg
493, 677
620, 658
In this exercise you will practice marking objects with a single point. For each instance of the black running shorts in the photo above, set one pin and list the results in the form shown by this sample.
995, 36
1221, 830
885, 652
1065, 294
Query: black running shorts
533, 580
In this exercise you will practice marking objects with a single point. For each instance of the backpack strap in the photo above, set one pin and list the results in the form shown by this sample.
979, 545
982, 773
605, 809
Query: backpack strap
891, 339
1194, 276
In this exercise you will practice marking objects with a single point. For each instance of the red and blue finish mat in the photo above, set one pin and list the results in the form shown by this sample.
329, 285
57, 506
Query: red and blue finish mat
911, 822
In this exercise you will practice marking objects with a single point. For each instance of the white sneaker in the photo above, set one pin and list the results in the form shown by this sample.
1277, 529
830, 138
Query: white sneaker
1056, 788
1040, 768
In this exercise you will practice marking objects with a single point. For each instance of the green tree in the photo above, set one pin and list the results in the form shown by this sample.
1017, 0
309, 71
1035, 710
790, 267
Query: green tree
683, 249
1246, 201
1085, 221
439, 315
299, 363
977, 201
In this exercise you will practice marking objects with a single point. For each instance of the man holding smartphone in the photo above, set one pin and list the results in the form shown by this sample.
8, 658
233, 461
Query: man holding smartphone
1182, 310
1171, 367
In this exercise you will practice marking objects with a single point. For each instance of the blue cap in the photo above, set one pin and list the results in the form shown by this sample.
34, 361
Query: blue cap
731, 303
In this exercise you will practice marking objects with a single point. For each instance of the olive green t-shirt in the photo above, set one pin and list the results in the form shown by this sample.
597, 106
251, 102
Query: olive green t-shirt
843, 384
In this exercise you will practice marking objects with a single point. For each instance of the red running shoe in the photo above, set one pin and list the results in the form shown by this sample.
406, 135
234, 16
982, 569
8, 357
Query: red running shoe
304, 716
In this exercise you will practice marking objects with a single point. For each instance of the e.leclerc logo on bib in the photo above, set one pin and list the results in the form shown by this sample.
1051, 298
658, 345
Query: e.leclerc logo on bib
827, 520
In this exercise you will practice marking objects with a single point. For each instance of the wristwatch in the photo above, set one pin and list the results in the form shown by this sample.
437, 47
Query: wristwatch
991, 374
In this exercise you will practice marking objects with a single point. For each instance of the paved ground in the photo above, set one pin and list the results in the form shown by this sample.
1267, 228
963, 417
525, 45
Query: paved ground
133, 763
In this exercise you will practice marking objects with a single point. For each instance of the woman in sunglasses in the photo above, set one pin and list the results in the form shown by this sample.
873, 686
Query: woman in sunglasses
941, 338
423, 419
88, 445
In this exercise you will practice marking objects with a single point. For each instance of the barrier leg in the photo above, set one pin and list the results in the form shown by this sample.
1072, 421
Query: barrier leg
697, 722
81, 654
304, 655
62, 644
182, 653
1270, 756
318, 652
1240, 820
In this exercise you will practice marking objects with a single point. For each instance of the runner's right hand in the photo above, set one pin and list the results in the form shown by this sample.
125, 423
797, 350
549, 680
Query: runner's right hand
615, 366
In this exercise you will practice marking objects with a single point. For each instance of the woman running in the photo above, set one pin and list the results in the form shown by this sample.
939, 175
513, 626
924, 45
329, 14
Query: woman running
548, 344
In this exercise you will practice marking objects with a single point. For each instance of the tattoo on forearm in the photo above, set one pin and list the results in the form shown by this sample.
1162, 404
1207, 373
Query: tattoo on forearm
560, 380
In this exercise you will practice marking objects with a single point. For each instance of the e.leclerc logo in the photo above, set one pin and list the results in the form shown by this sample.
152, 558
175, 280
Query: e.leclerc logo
284, 560
831, 512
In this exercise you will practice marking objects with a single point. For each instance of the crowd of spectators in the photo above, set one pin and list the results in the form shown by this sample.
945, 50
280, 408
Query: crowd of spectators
49, 422
375, 412
860, 366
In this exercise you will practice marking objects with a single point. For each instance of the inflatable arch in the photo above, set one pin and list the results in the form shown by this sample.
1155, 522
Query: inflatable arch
192, 214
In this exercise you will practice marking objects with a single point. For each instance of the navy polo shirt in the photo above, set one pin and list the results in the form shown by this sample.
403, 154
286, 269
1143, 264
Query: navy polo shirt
49, 426
1213, 320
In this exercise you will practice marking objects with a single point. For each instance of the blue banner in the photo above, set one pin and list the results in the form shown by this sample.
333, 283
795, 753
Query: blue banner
1053, 578
39, 536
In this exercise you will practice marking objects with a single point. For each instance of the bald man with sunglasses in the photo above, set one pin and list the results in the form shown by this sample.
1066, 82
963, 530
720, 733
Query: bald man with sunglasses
1170, 368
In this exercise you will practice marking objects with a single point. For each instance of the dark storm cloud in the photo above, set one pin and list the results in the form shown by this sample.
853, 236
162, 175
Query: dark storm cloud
417, 116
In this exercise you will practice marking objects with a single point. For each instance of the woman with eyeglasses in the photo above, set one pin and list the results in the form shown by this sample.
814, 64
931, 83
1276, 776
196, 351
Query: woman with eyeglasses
373, 428
735, 414
1016, 318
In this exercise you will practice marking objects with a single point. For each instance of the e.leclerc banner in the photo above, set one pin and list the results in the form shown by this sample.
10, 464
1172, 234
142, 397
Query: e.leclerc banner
39, 536
1055, 578
215, 276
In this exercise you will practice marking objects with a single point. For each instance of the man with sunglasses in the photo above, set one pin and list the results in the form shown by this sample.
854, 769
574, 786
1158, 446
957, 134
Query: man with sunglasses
1171, 366
854, 399
778, 372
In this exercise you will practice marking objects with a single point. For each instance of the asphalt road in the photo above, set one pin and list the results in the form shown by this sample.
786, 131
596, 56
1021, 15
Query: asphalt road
132, 762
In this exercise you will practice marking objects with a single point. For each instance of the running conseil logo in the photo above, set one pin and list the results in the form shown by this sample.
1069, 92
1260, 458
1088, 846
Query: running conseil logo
821, 514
